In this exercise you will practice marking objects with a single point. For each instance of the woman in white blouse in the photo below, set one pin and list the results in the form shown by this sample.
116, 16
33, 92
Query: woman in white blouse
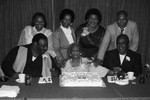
64, 35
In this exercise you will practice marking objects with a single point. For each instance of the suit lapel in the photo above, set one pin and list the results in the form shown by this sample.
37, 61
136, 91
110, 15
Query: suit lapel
117, 58
125, 62
73, 35
64, 36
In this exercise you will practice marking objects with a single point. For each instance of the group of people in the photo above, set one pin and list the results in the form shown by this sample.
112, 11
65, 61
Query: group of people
39, 49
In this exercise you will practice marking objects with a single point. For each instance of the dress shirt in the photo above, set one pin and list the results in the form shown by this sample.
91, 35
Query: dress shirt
67, 32
122, 30
121, 58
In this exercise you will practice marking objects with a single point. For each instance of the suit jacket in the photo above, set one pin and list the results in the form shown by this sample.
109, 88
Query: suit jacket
112, 32
8, 64
61, 43
131, 62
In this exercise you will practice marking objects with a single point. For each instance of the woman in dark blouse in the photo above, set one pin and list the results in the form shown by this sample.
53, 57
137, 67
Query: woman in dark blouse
90, 34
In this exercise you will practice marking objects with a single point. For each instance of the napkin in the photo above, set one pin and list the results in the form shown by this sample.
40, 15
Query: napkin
9, 91
44, 80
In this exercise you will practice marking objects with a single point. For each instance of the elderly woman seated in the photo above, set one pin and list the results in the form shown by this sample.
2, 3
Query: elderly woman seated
77, 63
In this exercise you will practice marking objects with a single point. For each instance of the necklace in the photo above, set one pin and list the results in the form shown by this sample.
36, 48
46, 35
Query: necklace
92, 30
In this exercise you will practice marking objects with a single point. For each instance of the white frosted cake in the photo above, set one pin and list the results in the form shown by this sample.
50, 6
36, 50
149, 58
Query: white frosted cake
81, 79
84, 75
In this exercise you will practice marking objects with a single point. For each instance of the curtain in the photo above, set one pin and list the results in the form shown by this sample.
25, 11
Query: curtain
15, 15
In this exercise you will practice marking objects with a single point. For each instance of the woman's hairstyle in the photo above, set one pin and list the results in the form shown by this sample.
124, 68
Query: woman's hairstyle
71, 46
36, 15
93, 11
67, 12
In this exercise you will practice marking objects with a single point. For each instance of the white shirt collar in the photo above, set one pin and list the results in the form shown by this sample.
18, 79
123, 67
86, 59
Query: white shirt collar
64, 28
42, 31
122, 58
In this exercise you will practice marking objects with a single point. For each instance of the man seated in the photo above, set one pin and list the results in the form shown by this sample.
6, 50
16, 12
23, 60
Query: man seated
122, 60
28, 59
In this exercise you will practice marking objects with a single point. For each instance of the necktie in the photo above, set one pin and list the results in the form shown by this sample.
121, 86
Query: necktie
122, 29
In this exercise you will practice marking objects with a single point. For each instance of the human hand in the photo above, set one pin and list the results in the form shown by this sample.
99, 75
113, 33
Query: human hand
63, 64
110, 72
16, 75
98, 62
58, 62
121, 74
116, 70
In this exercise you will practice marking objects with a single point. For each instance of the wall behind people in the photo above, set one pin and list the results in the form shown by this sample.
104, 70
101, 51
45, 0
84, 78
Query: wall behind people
16, 14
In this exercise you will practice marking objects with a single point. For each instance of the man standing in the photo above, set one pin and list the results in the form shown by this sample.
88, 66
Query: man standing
122, 58
28, 59
121, 26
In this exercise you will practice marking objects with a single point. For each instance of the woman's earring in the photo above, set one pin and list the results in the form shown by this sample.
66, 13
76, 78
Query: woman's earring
80, 54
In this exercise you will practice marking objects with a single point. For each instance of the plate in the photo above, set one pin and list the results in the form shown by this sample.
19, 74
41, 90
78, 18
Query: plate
122, 82
17, 80
133, 78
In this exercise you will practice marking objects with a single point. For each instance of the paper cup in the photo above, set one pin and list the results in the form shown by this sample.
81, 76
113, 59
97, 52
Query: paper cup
130, 75
22, 77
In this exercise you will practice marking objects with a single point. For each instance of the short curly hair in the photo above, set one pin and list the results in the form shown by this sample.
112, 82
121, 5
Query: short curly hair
38, 14
38, 37
123, 36
122, 12
67, 12
93, 11
71, 46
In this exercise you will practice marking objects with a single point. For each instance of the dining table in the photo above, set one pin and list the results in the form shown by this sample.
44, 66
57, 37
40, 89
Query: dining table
53, 91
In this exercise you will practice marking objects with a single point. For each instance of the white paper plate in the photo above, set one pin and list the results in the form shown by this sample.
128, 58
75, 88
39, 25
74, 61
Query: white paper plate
122, 82
17, 80
133, 78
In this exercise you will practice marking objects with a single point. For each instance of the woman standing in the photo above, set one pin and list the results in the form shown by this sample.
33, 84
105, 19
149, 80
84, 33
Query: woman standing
64, 35
90, 34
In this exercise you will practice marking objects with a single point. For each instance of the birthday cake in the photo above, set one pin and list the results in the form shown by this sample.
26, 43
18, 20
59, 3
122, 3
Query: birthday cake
81, 76
81, 79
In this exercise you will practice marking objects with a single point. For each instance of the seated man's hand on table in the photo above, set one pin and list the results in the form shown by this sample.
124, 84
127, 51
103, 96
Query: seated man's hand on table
16, 75
121, 75
116, 70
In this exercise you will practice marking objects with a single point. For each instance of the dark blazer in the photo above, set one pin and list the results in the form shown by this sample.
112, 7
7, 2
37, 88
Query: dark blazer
132, 61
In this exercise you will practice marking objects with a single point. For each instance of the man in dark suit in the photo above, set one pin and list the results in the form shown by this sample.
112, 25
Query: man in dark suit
122, 59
